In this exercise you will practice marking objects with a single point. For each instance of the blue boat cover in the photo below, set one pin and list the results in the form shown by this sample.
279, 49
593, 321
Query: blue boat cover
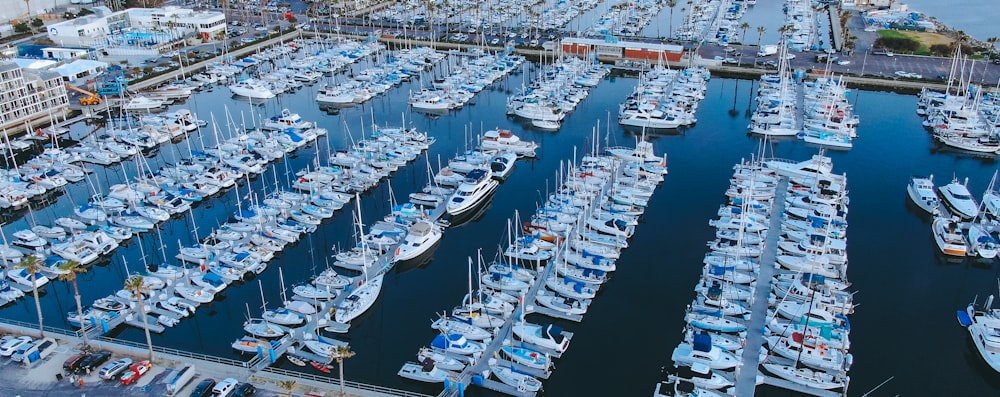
702, 342
439, 342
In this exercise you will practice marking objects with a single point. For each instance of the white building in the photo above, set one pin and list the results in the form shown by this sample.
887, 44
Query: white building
137, 27
26, 96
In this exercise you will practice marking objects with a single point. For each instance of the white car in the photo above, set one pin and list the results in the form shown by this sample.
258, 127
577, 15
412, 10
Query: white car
11, 346
843, 62
225, 387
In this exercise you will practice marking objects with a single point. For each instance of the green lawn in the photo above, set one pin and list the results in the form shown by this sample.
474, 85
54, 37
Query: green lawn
895, 34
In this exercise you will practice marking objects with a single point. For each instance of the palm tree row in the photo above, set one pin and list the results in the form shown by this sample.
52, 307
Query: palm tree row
134, 284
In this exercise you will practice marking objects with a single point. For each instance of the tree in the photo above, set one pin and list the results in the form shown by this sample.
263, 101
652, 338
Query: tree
33, 265
137, 286
671, 4
22, 28
760, 35
37, 22
744, 26
72, 268
342, 352
287, 386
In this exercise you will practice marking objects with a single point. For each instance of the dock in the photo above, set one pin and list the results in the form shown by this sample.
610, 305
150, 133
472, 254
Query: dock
473, 374
749, 364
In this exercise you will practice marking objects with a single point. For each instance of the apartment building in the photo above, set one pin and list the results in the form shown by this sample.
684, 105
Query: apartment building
29, 95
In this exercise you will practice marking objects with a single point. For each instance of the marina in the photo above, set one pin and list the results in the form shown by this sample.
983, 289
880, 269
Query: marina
406, 301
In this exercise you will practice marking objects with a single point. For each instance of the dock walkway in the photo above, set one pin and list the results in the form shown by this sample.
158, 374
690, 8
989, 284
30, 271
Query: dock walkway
748, 369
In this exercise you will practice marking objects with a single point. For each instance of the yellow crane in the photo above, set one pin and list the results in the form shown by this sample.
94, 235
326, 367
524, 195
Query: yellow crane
90, 98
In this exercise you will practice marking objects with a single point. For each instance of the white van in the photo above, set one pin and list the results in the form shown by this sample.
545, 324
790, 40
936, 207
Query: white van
179, 378
11, 346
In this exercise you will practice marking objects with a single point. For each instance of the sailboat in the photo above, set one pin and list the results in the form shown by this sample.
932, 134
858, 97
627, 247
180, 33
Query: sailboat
260, 327
364, 295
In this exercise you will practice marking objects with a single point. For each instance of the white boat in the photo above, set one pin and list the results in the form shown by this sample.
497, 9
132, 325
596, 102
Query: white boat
546, 125
548, 336
957, 197
703, 352
523, 382
329, 278
477, 185
458, 344
807, 377
982, 242
283, 316
428, 372
808, 351
143, 103
263, 329
440, 359
921, 191
194, 293
23, 277
310, 292
502, 164
984, 326
420, 237
300, 307
325, 348
359, 300
528, 357
948, 236
505, 140
570, 306
249, 344
453, 326
251, 89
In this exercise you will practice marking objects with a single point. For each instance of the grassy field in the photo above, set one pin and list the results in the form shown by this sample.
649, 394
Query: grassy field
925, 39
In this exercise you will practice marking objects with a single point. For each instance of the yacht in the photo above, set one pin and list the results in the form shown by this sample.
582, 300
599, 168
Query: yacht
477, 185
957, 197
921, 191
251, 89
420, 238
984, 326
505, 140
502, 164
948, 236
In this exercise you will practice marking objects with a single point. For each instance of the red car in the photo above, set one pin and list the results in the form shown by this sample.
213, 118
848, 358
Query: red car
135, 372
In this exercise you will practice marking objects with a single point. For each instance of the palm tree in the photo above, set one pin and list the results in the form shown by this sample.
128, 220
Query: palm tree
993, 46
72, 268
671, 4
760, 35
33, 265
342, 352
744, 26
136, 285
287, 386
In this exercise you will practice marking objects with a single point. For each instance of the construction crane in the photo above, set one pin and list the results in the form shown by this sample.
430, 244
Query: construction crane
90, 98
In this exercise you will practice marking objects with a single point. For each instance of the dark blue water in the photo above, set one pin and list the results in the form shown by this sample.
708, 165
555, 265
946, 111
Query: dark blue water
904, 328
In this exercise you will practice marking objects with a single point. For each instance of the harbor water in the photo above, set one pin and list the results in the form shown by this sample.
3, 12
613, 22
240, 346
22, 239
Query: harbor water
904, 328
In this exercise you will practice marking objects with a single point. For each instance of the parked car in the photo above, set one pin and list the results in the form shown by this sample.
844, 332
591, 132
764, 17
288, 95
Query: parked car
12, 345
135, 372
114, 368
204, 388
72, 363
245, 390
224, 388
93, 361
